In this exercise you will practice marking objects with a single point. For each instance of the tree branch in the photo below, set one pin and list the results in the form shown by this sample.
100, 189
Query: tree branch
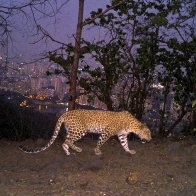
101, 14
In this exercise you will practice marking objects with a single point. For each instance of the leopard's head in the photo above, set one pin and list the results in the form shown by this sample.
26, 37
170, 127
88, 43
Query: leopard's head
144, 133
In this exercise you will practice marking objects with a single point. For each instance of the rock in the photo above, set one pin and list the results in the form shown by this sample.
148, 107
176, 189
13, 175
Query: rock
132, 178
83, 184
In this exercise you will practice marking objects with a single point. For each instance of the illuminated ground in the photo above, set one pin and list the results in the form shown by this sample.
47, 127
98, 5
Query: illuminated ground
158, 168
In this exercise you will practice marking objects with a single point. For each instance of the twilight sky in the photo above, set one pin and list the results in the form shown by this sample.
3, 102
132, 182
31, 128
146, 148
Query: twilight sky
61, 29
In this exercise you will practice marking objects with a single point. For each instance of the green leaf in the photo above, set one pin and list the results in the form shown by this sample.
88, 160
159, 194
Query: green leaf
194, 104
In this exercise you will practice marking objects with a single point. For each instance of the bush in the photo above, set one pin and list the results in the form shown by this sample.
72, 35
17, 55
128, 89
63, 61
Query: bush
18, 123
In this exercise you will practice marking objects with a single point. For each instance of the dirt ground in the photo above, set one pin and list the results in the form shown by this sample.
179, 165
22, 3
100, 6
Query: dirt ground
161, 167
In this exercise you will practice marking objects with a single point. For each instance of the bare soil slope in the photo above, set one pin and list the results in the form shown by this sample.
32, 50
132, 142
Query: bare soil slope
161, 167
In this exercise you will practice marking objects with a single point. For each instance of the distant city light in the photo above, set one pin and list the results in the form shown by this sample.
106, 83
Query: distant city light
31, 81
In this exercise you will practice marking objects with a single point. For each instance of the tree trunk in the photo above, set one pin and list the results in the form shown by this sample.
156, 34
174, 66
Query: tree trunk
74, 67
162, 117
108, 102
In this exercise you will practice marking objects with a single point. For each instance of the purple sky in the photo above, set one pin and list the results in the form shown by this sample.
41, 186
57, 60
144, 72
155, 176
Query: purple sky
61, 30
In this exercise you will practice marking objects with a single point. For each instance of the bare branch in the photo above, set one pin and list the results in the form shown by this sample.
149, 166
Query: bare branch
46, 34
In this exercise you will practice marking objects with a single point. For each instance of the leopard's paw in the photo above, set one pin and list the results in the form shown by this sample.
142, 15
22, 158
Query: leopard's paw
98, 151
131, 152
66, 149
77, 149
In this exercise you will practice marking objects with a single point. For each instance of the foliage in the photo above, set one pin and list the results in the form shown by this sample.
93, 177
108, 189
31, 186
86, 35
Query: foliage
20, 123
178, 62
11, 124
194, 114
65, 61
145, 42
194, 105
103, 78
150, 53
133, 90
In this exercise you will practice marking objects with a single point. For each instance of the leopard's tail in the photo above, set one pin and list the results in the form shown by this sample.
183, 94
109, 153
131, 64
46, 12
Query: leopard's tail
55, 134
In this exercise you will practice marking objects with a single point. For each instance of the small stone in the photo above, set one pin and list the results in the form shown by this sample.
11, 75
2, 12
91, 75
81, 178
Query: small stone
83, 184
51, 181
132, 178
12, 180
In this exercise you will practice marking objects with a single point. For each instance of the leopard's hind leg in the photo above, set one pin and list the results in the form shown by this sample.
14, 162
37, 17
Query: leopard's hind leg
102, 139
74, 133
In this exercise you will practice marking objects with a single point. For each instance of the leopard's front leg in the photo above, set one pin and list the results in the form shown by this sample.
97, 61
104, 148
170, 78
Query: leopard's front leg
124, 143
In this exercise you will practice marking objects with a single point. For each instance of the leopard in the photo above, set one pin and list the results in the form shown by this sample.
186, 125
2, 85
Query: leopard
106, 123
